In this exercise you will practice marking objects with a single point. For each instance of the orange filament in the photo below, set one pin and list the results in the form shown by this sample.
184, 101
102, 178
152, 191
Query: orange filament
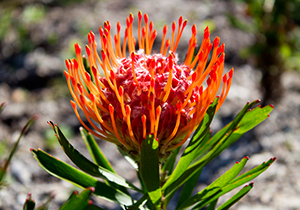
152, 112
158, 111
128, 112
107, 138
163, 39
169, 139
146, 33
133, 71
124, 43
179, 34
144, 118
116, 132
173, 34
167, 88
139, 30
166, 47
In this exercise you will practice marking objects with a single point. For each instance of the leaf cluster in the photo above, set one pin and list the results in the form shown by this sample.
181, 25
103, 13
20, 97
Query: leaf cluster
160, 181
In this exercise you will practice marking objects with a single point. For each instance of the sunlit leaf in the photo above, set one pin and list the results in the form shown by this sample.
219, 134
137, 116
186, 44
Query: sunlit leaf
79, 201
191, 150
95, 151
29, 123
149, 170
236, 197
237, 182
89, 167
217, 185
66, 172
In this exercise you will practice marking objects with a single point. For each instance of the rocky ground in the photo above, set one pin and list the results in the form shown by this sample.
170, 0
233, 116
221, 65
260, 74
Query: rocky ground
32, 83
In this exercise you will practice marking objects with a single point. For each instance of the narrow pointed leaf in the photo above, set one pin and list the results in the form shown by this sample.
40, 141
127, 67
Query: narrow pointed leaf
95, 151
254, 172
191, 170
192, 148
139, 204
191, 183
212, 205
229, 175
188, 188
217, 185
224, 132
66, 172
249, 121
236, 197
14, 148
149, 170
89, 167
170, 162
216, 145
129, 159
237, 182
78, 201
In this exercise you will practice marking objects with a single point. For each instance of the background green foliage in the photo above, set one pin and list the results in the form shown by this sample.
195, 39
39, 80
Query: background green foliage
276, 26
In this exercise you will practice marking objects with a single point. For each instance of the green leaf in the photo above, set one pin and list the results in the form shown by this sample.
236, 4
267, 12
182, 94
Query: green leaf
167, 170
89, 167
254, 172
29, 123
250, 120
139, 204
221, 141
224, 132
217, 185
66, 172
78, 201
81, 201
212, 205
236, 197
29, 203
188, 188
129, 159
149, 170
170, 162
229, 175
240, 180
95, 151
192, 181
191, 170
192, 148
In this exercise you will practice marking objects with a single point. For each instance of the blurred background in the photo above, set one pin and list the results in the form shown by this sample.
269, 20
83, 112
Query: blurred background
262, 39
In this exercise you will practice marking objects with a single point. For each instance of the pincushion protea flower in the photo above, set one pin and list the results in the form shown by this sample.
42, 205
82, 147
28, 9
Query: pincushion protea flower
143, 92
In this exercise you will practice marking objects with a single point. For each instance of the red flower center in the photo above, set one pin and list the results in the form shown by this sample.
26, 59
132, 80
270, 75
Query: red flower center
145, 93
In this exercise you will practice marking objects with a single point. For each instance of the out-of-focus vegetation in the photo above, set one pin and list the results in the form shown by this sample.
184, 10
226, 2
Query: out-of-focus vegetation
12, 151
29, 29
276, 26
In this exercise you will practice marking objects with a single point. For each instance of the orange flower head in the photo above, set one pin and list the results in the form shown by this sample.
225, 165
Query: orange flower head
126, 97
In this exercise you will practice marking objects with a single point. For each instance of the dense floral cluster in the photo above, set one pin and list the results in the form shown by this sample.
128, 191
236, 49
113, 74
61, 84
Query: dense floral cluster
126, 97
